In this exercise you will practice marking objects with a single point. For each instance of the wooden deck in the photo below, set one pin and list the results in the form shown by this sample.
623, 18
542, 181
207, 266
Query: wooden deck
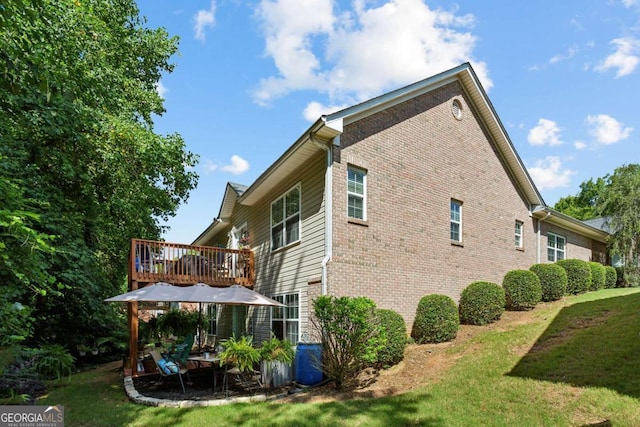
179, 264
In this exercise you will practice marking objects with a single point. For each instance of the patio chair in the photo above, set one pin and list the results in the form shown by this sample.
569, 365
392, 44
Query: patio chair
182, 350
168, 368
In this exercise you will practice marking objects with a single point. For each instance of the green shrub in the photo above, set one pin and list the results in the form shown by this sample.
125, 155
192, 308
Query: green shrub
598, 276
395, 330
522, 290
49, 361
350, 335
481, 303
437, 320
610, 277
620, 283
553, 280
578, 275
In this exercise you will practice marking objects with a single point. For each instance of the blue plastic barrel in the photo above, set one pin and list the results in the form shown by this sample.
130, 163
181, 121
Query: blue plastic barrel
308, 357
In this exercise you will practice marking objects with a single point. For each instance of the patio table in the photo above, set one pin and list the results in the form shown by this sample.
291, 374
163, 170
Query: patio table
202, 361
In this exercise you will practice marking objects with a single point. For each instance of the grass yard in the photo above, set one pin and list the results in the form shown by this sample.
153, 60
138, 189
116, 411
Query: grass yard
574, 362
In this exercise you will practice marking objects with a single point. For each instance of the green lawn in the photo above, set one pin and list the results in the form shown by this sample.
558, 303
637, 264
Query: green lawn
576, 363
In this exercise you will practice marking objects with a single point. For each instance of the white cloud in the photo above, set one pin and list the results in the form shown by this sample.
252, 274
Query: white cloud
314, 110
204, 18
625, 59
580, 145
238, 165
549, 174
629, 3
334, 53
546, 132
562, 57
607, 130
161, 89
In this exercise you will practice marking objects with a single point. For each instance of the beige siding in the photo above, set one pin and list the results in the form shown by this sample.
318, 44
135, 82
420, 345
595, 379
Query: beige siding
418, 157
288, 269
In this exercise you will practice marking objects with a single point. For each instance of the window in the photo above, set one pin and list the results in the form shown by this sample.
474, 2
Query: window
456, 221
555, 247
212, 319
285, 219
518, 234
357, 191
285, 320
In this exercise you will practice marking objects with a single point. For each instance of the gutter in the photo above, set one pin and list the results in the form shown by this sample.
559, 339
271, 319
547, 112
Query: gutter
328, 209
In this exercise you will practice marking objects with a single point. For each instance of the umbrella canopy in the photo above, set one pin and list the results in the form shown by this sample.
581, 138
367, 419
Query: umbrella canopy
239, 295
200, 292
160, 291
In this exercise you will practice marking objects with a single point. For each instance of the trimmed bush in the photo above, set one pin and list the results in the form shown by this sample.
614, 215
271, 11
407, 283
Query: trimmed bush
481, 303
597, 276
578, 275
393, 326
437, 320
522, 290
610, 277
553, 280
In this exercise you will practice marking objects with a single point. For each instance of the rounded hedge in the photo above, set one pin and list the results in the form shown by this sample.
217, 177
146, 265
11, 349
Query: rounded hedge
395, 329
437, 320
522, 290
481, 303
553, 280
598, 276
610, 277
578, 275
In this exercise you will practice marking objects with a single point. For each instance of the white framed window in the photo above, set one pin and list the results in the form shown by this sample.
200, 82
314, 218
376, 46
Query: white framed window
212, 319
518, 235
555, 247
456, 220
356, 193
285, 321
285, 219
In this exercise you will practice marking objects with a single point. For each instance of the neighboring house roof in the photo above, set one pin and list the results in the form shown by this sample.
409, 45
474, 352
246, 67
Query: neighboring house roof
601, 223
325, 130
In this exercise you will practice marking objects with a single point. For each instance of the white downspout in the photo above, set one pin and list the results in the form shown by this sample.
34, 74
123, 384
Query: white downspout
539, 232
328, 211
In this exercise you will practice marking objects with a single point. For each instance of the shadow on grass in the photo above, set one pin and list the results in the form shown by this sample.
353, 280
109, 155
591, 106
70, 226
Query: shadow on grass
590, 344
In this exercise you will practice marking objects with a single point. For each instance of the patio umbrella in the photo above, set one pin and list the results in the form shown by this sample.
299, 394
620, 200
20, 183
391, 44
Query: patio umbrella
160, 291
239, 295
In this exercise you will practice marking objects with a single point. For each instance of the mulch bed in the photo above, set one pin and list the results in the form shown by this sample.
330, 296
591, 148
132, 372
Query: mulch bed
198, 386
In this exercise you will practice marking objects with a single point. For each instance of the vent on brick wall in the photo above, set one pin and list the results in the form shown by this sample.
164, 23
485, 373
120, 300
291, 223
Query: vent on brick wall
456, 109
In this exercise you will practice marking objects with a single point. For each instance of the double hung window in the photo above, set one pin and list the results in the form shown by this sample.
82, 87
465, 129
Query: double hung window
357, 192
285, 219
456, 221
518, 234
555, 247
285, 321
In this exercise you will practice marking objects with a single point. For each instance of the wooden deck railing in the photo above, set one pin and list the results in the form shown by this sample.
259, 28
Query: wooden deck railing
153, 261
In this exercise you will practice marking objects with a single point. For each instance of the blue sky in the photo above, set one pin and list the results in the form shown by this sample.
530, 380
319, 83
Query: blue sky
251, 76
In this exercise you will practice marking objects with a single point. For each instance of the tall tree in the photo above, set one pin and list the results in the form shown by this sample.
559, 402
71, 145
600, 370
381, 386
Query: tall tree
620, 204
584, 204
77, 97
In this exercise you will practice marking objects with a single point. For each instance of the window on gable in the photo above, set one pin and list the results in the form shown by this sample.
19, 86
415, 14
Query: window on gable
285, 219
518, 234
285, 321
456, 220
357, 193
555, 247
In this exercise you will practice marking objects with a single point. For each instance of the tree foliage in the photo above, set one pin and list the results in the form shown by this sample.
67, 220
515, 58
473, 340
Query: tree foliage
583, 205
620, 204
81, 169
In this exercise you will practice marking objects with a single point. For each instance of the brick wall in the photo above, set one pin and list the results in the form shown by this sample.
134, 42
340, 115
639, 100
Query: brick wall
418, 157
